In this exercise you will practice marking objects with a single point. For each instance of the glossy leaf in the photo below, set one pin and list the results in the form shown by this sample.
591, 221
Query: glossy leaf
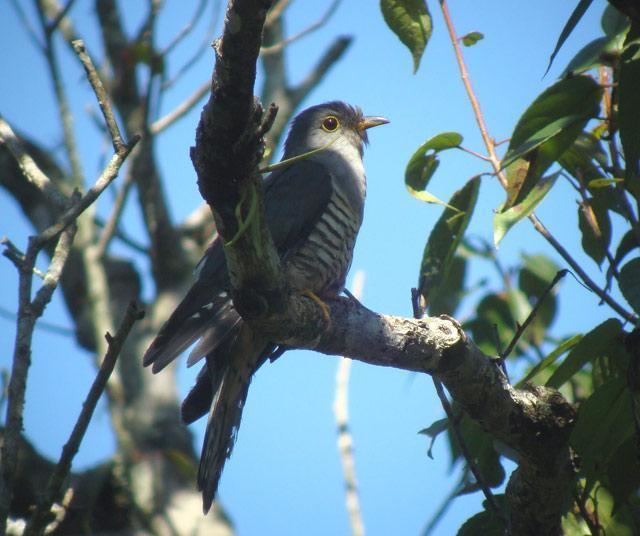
493, 319
503, 221
411, 21
445, 237
613, 22
568, 102
604, 423
471, 38
593, 54
575, 17
583, 159
629, 281
550, 358
598, 342
602, 183
629, 111
424, 162
445, 298
595, 226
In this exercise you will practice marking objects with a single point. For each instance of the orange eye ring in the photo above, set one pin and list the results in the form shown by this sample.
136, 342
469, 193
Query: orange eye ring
330, 123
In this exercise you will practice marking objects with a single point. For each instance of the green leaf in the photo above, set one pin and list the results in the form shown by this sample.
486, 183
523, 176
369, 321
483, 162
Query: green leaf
445, 298
575, 17
589, 56
613, 22
411, 21
424, 162
595, 226
629, 112
584, 158
604, 422
537, 273
623, 471
471, 38
503, 221
433, 431
600, 341
550, 358
629, 282
628, 243
445, 237
568, 102
493, 318
602, 183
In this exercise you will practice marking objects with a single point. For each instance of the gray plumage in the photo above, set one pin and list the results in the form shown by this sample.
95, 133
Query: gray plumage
314, 210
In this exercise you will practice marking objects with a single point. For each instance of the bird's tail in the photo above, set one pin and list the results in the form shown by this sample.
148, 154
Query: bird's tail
246, 354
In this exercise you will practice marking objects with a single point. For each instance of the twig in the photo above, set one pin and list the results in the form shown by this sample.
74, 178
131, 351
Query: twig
28, 313
105, 178
488, 142
28, 166
345, 441
495, 163
27, 25
101, 94
197, 54
276, 11
465, 452
310, 29
477, 155
521, 328
186, 29
181, 110
111, 225
70, 449
53, 25
43, 325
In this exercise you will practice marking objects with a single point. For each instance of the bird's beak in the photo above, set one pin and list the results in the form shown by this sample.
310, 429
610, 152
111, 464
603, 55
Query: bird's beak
371, 121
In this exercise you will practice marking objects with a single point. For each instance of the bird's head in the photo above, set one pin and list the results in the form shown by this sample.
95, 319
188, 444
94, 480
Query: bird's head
325, 125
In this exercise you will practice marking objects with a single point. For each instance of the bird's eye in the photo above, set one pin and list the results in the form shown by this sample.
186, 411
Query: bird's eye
330, 124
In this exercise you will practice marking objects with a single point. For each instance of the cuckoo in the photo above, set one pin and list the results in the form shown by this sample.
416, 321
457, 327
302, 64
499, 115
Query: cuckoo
314, 209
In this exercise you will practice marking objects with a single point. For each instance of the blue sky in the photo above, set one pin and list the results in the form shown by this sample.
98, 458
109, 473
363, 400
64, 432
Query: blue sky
284, 477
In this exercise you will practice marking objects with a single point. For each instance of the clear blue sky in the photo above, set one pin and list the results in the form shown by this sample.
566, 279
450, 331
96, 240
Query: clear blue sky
284, 477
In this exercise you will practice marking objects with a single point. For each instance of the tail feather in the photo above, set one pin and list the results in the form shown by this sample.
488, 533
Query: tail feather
213, 320
246, 355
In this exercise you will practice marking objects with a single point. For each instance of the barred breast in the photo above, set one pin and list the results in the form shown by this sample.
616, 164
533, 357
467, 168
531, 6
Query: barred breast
323, 260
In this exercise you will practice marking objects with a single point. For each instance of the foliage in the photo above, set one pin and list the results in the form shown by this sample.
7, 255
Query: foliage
583, 129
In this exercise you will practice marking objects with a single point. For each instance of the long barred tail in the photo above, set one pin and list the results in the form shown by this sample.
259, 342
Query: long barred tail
247, 354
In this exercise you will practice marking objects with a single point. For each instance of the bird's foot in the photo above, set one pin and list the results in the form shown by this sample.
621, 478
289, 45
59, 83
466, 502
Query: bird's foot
326, 312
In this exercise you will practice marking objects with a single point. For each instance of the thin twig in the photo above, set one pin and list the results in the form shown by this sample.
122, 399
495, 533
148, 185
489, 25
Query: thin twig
186, 29
310, 29
477, 155
521, 328
106, 177
345, 441
26, 23
276, 11
42, 325
488, 141
53, 25
111, 225
197, 54
181, 110
465, 452
70, 449
101, 95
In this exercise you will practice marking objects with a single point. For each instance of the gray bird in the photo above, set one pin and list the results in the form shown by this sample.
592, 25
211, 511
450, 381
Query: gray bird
314, 209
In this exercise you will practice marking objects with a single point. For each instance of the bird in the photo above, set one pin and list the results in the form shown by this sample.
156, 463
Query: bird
314, 209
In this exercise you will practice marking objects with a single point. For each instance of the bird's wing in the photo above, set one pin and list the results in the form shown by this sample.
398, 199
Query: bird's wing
295, 198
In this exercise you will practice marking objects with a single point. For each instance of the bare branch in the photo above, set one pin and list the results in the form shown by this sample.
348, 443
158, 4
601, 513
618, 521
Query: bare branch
105, 178
181, 110
276, 11
101, 95
70, 449
186, 29
29, 168
345, 441
310, 29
